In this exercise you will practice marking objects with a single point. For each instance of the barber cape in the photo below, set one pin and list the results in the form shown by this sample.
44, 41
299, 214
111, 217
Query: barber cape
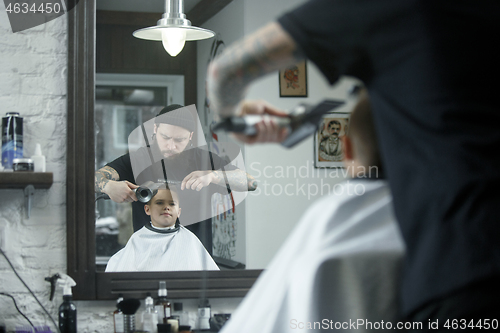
153, 249
341, 263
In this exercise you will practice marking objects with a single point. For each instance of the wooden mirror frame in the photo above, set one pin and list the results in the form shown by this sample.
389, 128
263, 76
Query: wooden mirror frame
81, 266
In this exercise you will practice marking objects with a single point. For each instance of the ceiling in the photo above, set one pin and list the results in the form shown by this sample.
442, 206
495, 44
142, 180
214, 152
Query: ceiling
149, 6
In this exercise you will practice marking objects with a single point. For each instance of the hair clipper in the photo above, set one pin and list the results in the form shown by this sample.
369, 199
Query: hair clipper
302, 121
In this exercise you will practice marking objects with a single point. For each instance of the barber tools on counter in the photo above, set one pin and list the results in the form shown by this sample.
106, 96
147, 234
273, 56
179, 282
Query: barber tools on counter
149, 317
302, 122
181, 315
118, 323
204, 312
162, 305
129, 308
67, 310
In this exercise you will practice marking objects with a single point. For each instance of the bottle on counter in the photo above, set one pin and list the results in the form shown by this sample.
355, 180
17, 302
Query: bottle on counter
67, 310
162, 305
173, 321
149, 316
181, 313
118, 317
204, 313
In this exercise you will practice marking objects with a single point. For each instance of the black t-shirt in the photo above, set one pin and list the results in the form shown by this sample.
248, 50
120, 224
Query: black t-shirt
431, 68
195, 205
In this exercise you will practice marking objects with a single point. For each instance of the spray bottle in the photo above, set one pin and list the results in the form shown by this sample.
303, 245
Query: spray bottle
67, 310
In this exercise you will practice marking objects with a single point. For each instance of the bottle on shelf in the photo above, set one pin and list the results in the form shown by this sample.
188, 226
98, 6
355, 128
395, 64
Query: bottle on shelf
162, 305
149, 317
38, 159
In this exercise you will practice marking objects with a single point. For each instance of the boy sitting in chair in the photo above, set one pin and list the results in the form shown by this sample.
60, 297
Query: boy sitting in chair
163, 244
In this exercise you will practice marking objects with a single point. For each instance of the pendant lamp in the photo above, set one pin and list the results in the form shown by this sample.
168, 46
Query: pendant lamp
173, 29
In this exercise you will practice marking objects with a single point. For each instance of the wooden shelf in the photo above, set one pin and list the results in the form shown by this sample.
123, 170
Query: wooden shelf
21, 179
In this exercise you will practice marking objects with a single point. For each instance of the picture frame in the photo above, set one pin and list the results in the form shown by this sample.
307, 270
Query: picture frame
293, 80
328, 150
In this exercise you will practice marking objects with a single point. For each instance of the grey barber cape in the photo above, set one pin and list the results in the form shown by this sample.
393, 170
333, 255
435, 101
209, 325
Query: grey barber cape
162, 249
340, 265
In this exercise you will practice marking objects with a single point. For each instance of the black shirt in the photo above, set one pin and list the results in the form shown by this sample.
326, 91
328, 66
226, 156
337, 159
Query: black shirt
195, 205
431, 68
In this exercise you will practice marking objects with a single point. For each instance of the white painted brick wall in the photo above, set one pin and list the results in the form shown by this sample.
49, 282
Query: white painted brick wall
33, 76
33, 69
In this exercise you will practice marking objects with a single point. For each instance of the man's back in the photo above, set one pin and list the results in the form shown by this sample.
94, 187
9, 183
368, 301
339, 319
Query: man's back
431, 68
340, 262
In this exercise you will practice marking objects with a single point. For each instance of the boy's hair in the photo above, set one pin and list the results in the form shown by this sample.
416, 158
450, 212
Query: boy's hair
165, 186
363, 134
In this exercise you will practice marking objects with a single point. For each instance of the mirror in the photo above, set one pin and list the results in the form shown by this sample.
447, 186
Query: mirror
126, 106
122, 103
91, 284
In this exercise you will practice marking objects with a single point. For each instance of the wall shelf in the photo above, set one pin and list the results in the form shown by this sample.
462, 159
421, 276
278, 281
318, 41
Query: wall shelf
21, 179
28, 181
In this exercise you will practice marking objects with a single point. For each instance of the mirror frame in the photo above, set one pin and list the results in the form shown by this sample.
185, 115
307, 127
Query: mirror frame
80, 195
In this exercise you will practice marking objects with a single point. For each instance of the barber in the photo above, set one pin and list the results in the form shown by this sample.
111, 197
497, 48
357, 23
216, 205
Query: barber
172, 140
430, 68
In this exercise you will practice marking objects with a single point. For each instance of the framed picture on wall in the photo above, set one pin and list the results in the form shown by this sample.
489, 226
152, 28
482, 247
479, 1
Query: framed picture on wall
328, 150
293, 81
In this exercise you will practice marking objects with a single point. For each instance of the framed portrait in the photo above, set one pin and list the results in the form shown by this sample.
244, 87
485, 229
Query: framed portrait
293, 81
328, 150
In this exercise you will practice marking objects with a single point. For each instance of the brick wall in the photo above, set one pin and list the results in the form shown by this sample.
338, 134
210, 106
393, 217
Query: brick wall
33, 82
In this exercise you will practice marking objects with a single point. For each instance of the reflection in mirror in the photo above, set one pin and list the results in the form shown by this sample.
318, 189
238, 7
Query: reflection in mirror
165, 244
168, 147
123, 102
85, 58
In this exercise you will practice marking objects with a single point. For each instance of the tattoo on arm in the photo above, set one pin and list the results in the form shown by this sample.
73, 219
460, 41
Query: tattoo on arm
267, 50
103, 176
237, 179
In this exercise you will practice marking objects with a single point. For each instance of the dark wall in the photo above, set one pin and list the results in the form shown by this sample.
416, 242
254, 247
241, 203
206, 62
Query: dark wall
118, 51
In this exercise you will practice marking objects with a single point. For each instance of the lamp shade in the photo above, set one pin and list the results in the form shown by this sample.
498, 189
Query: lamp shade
155, 33
173, 29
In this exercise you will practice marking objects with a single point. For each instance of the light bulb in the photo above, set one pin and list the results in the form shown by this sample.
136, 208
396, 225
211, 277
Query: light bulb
173, 40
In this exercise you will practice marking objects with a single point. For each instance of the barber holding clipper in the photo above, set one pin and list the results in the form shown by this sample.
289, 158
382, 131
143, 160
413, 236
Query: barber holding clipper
172, 140
430, 68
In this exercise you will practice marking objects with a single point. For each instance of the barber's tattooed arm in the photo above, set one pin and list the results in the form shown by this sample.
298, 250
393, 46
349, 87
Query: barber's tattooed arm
103, 176
265, 51
107, 180
237, 180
